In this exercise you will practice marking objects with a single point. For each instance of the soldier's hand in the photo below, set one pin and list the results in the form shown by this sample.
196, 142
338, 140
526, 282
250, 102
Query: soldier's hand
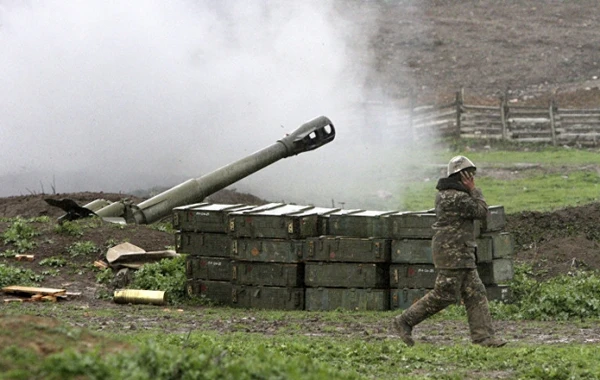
467, 180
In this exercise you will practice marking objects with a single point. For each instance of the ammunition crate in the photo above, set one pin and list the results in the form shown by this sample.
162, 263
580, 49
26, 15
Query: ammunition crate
283, 222
495, 221
267, 297
359, 223
346, 275
204, 217
412, 251
270, 274
501, 293
411, 225
268, 250
499, 271
218, 292
209, 268
417, 225
498, 244
203, 244
345, 249
412, 276
348, 299
404, 298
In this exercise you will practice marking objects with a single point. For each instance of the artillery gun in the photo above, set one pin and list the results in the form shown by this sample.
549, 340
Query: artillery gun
309, 136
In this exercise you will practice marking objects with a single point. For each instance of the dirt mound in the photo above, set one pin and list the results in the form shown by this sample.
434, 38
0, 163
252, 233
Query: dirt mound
30, 206
557, 242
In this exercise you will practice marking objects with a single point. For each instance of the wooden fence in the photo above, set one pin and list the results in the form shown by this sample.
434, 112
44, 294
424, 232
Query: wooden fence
557, 126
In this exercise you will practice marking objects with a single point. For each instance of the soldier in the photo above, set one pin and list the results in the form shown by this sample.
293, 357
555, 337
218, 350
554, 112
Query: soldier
457, 205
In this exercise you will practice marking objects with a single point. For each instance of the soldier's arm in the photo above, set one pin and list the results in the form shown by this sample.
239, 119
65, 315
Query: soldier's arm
472, 205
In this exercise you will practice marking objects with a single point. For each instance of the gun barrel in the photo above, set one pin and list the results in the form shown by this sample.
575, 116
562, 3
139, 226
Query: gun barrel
309, 136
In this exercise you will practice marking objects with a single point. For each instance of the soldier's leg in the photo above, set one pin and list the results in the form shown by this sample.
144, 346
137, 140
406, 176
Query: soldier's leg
478, 313
445, 292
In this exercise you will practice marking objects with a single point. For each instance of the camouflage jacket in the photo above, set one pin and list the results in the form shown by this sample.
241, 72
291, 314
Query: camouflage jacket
456, 208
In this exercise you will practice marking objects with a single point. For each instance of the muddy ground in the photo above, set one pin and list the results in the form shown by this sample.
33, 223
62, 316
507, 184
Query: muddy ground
530, 50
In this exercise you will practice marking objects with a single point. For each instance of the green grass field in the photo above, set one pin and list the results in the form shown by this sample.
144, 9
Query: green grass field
556, 178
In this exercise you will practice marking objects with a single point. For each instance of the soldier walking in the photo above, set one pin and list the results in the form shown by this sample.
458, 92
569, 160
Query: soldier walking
457, 205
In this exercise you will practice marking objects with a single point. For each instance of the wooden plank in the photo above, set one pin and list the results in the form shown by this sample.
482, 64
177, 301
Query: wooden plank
424, 125
449, 114
567, 111
33, 290
532, 139
24, 257
480, 136
480, 108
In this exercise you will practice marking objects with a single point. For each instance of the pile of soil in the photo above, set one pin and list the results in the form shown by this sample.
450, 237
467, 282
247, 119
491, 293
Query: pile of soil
557, 242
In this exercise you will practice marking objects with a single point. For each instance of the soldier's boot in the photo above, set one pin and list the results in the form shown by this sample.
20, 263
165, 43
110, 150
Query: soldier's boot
480, 322
404, 330
491, 342
415, 314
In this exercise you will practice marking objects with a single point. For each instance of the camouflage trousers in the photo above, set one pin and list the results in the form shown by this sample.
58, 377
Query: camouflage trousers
452, 285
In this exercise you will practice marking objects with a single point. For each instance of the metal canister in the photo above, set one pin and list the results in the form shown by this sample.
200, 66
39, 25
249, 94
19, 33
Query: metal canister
136, 296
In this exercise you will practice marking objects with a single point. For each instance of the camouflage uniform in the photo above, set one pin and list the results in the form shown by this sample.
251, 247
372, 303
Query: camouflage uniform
454, 255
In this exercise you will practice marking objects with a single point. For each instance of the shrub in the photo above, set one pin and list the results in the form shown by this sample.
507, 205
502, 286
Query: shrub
167, 275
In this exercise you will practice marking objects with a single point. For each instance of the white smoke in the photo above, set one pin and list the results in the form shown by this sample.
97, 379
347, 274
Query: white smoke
114, 96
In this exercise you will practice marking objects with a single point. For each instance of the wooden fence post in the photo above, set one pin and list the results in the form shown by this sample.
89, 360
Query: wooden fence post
503, 108
552, 124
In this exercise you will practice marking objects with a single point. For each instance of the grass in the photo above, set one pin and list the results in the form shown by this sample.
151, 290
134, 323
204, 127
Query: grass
543, 192
236, 355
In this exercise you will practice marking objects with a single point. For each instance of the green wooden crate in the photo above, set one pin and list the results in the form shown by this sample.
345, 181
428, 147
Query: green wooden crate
485, 250
268, 250
269, 274
499, 244
411, 225
412, 251
205, 217
281, 222
347, 299
501, 293
346, 249
209, 268
417, 225
495, 221
346, 275
499, 271
267, 297
404, 298
219, 292
203, 244
359, 223
412, 276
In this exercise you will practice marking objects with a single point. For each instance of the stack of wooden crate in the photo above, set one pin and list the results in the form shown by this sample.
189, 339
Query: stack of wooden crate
292, 257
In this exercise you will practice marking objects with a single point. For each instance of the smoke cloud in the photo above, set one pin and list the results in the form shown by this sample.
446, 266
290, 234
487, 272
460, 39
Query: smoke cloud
116, 96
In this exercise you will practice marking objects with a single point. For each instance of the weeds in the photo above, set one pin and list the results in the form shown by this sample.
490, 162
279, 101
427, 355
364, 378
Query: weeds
54, 262
20, 234
69, 228
82, 248
10, 275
